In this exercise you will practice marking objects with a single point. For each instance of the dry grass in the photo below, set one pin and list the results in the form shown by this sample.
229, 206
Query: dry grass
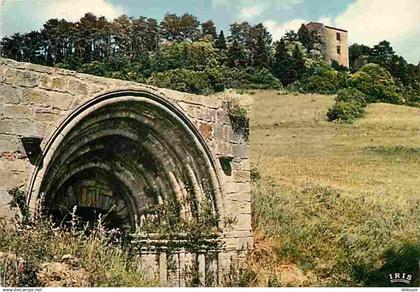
46, 255
339, 195
295, 144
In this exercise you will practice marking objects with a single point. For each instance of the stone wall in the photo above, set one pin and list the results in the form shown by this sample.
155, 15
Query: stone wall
35, 100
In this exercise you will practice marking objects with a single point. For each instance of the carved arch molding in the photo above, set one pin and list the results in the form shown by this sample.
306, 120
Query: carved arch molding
122, 153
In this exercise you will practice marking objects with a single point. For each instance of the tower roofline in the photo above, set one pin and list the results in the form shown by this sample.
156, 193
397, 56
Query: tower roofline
327, 26
336, 28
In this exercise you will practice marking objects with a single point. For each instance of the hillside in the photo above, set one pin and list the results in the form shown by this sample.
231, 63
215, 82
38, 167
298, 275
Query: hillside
333, 198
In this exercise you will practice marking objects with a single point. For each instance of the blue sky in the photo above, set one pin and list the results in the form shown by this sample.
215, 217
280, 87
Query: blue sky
368, 21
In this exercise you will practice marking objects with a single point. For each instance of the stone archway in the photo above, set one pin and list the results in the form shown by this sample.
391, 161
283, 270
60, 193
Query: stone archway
121, 153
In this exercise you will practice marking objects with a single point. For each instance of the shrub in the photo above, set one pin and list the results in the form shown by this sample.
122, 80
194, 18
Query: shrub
321, 78
345, 111
182, 80
250, 78
377, 83
238, 116
351, 94
261, 78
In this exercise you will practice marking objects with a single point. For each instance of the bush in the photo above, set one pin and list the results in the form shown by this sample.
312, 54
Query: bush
345, 111
351, 94
182, 80
321, 78
215, 79
261, 78
377, 83
250, 78
239, 119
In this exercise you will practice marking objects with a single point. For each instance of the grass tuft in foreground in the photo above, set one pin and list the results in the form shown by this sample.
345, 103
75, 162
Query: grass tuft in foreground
42, 254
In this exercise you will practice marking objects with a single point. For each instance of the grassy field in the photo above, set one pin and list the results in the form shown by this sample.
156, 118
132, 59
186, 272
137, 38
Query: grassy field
337, 204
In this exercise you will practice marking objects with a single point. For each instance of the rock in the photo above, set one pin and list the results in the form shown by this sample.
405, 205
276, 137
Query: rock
55, 274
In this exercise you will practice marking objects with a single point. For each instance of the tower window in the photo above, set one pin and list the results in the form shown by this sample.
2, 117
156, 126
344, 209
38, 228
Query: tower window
338, 36
339, 50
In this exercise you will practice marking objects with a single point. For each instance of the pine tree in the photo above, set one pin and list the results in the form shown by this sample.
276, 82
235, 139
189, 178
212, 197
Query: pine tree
305, 37
282, 62
220, 42
261, 53
298, 64
291, 36
259, 46
236, 56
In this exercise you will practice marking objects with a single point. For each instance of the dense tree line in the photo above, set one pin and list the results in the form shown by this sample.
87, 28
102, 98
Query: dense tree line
185, 54
141, 48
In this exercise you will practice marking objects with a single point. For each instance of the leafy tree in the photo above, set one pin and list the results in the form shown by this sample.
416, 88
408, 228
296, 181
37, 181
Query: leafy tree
145, 35
377, 83
209, 29
189, 27
169, 27
175, 28
11, 47
122, 29
356, 53
382, 53
239, 32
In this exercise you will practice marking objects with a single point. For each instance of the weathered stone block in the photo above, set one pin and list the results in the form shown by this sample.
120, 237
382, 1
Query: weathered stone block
5, 199
10, 94
8, 143
36, 96
21, 78
60, 100
240, 150
220, 132
222, 116
244, 188
6, 126
55, 83
224, 149
17, 112
45, 116
207, 114
26, 128
77, 87
234, 136
241, 176
243, 222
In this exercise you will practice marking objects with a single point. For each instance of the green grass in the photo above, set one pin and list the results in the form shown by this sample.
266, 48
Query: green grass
335, 200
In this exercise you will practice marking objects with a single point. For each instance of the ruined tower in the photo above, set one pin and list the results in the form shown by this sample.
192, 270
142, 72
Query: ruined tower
334, 44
